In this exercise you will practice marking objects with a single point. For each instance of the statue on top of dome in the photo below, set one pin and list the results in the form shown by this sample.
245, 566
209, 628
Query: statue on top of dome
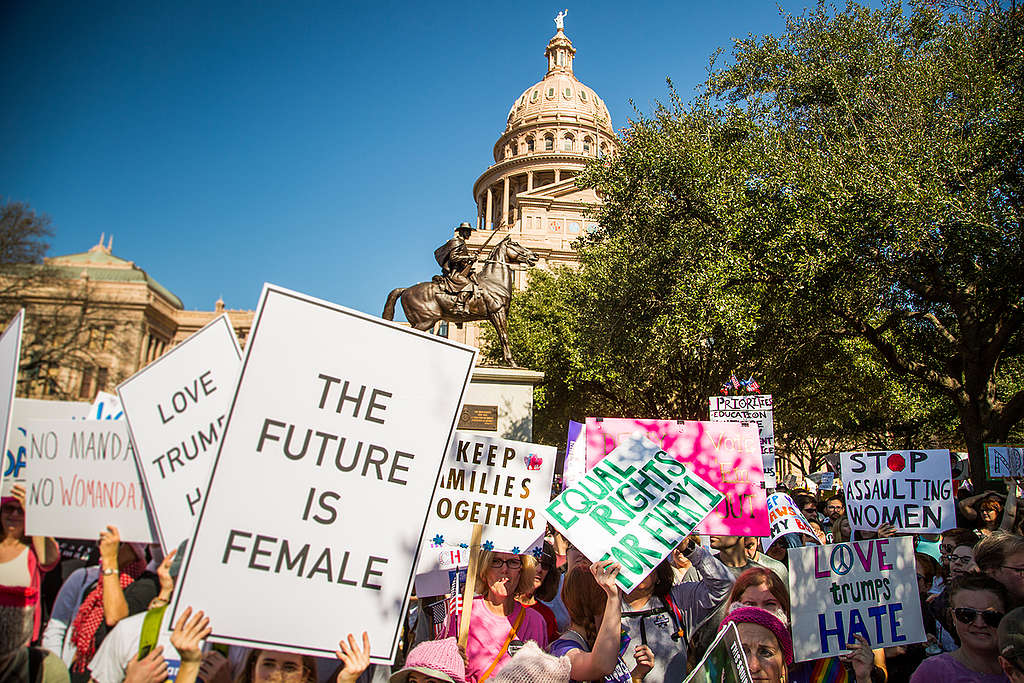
560, 20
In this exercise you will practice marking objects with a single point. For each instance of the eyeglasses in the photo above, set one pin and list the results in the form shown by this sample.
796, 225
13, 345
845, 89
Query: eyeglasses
960, 559
968, 615
1018, 570
511, 563
834, 508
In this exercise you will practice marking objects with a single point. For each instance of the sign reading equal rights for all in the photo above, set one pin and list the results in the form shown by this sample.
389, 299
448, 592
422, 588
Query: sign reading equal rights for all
80, 477
725, 454
866, 588
910, 490
633, 507
175, 408
502, 484
321, 487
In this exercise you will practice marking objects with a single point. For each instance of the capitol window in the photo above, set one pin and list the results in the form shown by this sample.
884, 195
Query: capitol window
567, 93
567, 143
533, 97
586, 145
529, 144
583, 95
515, 148
549, 143
551, 92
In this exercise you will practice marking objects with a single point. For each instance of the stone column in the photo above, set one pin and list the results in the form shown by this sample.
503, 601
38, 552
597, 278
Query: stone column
558, 173
529, 180
490, 209
504, 204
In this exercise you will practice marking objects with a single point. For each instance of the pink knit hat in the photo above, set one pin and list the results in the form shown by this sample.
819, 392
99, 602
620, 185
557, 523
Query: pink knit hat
533, 665
756, 615
437, 658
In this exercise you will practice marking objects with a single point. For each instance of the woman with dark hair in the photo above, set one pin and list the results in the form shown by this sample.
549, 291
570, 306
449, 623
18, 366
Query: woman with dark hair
664, 616
544, 590
593, 643
265, 665
984, 511
977, 604
498, 624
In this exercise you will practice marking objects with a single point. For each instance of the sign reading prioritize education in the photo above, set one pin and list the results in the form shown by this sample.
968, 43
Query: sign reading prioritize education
786, 518
322, 485
910, 490
80, 477
633, 507
10, 353
756, 408
866, 588
727, 455
176, 407
503, 485
1005, 461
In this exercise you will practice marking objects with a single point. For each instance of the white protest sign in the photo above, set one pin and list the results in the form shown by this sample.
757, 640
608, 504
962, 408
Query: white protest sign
784, 517
106, 406
634, 506
1005, 461
575, 464
175, 408
20, 443
435, 581
320, 491
10, 353
82, 477
756, 408
502, 484
866, 588
911, 490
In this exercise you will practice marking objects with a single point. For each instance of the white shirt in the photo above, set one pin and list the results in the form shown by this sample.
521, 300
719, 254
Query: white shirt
121, 646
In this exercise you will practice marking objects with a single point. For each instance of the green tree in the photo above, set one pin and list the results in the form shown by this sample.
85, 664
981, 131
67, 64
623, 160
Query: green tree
841, 206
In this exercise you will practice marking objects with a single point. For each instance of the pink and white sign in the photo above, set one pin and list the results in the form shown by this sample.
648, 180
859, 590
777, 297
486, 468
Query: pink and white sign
727, 455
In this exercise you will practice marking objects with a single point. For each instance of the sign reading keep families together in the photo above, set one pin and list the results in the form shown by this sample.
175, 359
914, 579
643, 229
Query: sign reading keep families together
322, 485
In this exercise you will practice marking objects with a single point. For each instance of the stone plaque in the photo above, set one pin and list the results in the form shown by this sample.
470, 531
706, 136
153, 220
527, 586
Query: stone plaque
479, 418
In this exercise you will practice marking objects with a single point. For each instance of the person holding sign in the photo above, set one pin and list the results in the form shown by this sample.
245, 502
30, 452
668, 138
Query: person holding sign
978, 603
23, 559
593, 642
499, 625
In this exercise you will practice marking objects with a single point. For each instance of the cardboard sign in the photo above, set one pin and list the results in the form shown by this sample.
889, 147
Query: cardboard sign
756, 408
80, 477
175, 408
727, 455
911, 490
575, 465
866, 588
724, 662
322, 485
786, 518
435, 581
634, 507
10, 353
106, 406
20, 443
1005, 461
502, 484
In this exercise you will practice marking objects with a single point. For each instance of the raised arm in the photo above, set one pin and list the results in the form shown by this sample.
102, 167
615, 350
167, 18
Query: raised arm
601, 660
46, 548
698, 599
1010, 509
115, 607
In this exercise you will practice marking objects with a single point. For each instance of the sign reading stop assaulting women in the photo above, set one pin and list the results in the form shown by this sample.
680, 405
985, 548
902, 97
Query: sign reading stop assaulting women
910, 490
866, 588
176, 407
633, 507
321, 487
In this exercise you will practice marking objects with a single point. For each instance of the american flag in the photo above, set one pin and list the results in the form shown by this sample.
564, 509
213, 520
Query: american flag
734, 381
752, 384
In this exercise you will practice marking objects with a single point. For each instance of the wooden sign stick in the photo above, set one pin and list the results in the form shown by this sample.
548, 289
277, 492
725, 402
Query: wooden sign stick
467, 595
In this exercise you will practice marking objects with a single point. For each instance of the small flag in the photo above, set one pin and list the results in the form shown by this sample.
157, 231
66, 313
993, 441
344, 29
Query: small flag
735, 382
752, 384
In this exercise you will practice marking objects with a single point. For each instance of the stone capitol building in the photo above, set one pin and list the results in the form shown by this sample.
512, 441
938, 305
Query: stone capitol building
112, 318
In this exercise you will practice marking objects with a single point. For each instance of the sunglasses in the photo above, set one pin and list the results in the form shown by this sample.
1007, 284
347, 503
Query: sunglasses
968, 615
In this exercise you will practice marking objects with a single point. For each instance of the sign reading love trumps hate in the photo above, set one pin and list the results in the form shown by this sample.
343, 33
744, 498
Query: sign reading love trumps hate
724, 454
634, 507
910, 490
80, 477
175, 408
321, 487
866, 588
502, 484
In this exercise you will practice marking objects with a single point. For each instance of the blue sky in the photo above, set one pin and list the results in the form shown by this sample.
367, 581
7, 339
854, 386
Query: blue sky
324, 147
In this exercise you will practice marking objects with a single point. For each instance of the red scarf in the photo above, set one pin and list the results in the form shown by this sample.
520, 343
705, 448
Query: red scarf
90, 616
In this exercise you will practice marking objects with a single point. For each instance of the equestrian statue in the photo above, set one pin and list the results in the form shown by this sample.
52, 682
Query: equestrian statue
467, 289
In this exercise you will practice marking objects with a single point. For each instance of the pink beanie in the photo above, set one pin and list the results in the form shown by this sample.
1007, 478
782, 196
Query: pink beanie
437, 658
756, 615
533, 665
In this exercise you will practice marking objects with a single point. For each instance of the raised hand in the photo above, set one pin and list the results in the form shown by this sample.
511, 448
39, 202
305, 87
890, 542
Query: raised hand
355, 660
150, 669
189, 633
605, 571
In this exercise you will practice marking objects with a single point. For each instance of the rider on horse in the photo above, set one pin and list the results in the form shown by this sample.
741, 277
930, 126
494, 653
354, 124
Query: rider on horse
456, 265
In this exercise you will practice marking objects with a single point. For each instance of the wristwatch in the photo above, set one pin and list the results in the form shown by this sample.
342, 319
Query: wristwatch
109, 572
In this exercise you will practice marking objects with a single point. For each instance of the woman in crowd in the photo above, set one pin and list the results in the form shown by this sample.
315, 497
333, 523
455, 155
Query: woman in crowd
265, 665
592, 643
544, 590
23, 559
760, 587
433, 661
498, 624
983, 511
977, 604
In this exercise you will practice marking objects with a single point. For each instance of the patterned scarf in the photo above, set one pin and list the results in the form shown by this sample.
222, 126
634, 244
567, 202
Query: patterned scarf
90, 616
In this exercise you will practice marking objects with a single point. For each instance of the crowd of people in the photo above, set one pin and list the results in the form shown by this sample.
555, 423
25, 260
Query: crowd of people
69, 612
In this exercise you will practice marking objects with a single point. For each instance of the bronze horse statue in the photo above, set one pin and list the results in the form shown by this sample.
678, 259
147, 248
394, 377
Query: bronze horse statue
426, 303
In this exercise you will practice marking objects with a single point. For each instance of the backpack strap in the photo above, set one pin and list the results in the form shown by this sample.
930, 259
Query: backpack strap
151, 630
36, 656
